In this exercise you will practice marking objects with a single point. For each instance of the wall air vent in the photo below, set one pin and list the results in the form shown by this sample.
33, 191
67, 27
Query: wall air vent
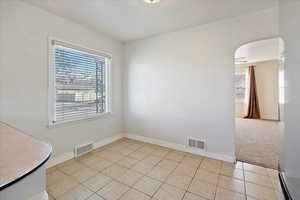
196, 143
83, 149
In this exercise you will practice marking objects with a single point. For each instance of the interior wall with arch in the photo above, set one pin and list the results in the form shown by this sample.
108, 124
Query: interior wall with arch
180, 84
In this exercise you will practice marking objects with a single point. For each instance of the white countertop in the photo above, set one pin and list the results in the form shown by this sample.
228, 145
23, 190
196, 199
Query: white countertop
20, 154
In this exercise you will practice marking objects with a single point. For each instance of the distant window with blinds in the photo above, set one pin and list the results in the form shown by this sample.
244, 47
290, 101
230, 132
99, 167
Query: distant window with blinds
240, 87
80, 83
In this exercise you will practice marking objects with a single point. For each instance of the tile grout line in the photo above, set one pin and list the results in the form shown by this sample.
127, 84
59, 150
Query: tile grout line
219, 176
187, 190
217, 184
115, 162
130, 187
244, 180
162, 182
148, 153
144, 175
99, 172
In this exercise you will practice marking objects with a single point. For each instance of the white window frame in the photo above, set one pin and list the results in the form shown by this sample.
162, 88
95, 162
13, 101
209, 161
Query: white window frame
52, 80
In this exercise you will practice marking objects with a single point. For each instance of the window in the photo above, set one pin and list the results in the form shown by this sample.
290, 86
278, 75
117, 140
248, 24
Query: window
79, 83
240, 87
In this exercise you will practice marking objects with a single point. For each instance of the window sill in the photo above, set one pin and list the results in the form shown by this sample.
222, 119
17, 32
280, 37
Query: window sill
79, 121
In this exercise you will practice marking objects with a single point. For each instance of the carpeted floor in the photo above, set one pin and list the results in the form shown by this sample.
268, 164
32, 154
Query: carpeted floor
258, 141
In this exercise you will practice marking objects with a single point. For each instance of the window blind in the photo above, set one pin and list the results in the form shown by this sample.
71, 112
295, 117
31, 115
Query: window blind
80, 84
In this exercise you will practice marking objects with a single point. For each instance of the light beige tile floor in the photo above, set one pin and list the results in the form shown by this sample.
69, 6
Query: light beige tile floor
133, 170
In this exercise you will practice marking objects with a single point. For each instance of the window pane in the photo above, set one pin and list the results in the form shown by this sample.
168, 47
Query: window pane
240, 87
79, 84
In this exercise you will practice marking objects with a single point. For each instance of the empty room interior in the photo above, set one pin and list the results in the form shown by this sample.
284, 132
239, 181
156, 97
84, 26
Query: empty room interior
260, 113
149, 100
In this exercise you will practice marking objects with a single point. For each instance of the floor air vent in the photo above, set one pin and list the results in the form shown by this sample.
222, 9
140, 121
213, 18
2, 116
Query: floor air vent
196, 143
82, 149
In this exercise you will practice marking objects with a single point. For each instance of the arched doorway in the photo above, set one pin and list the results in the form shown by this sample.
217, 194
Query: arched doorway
259, 101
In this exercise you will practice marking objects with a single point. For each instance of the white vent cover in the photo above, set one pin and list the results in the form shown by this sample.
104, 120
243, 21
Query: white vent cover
83, 149
196, 143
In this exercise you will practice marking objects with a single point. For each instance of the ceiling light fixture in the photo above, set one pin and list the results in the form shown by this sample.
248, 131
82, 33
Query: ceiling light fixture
151, 1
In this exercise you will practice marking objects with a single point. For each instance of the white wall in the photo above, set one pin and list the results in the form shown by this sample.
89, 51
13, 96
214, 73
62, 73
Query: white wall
24, 32
258, 51
267, 88
290, 32
181, 84
240, 109
266, 75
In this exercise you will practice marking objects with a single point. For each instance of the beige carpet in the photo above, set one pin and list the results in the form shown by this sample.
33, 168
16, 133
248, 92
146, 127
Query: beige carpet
258, 141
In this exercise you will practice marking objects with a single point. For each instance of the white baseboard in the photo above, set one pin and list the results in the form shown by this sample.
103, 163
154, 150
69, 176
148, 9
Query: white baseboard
69, 155
106, 141
59, 159
163, 143
181, 147
42, 196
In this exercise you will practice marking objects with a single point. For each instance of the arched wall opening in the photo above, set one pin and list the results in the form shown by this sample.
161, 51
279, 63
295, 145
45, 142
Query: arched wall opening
257, 139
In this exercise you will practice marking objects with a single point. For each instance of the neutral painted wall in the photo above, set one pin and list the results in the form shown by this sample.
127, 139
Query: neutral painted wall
282, 85
259, 51
268, 88
24, 32
266, 75
240, 109
290, 32
180, 84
